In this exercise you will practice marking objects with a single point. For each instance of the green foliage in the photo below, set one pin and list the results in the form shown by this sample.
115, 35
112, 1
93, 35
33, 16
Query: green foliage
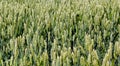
59, 33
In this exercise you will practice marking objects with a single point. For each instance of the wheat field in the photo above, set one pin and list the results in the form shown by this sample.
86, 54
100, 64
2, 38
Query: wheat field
59, 32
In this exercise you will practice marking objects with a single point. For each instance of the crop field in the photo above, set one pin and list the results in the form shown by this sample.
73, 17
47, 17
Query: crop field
59, 32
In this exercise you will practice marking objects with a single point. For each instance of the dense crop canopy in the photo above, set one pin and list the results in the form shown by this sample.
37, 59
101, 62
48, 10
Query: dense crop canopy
59, 32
